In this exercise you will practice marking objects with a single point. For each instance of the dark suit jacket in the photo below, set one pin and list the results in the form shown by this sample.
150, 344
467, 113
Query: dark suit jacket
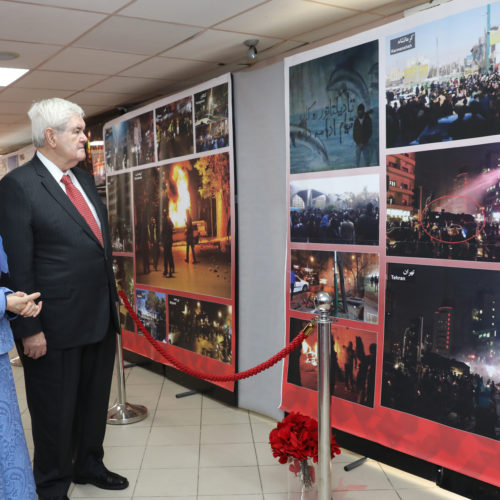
52, 250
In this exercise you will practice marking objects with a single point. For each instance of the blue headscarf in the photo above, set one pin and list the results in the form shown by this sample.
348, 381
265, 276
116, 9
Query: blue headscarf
4, 268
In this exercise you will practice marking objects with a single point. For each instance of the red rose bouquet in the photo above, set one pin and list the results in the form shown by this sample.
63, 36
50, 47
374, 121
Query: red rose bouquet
294, 440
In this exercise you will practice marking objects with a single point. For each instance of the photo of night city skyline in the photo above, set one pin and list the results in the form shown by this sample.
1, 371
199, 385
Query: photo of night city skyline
445, 204
441, 345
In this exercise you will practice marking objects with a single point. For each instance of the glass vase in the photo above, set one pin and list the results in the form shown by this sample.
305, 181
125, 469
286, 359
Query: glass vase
302, 483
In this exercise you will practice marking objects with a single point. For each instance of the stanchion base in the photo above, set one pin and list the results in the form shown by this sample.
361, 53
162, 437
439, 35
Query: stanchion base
120, 414
16, 361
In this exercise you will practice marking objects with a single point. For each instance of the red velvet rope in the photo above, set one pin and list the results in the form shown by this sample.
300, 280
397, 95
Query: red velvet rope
217, 378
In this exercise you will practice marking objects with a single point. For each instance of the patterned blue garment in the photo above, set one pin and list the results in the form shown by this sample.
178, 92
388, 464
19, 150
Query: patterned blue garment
16, 476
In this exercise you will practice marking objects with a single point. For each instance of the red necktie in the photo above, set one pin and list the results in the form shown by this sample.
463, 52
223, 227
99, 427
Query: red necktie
82, 206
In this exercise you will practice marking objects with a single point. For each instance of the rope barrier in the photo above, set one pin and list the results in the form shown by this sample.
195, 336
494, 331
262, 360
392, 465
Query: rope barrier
308, 329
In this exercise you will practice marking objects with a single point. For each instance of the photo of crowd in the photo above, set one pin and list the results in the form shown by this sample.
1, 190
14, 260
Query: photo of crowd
444, 203
152, 311
182, 226
341, 210
443, 87
352, 368
174, 129
201, 327
334, 110
123, 267
211, 111
130, 143
353, 285
120, 212
441, 347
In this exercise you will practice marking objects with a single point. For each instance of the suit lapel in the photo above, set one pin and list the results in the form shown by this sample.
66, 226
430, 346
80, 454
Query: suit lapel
50, 184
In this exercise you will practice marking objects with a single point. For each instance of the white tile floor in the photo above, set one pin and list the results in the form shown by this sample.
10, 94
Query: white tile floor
195, 448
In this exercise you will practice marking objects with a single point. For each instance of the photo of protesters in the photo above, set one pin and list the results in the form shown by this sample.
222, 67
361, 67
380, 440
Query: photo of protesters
341, 210
334, 110
152, 311
123, 267
120, 212
130, 143
441, 347
352, 366
444, 203
181, 207
201, 327
211, 108
353, 285
174, 129
443, 87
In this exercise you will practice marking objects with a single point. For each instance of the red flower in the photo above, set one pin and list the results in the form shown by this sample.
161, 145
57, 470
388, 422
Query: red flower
296, 436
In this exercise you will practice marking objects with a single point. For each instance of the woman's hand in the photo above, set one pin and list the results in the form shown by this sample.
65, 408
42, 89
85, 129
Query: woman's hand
24, 305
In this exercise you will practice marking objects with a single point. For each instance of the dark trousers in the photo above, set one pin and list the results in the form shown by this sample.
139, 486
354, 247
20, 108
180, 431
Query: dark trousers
68, 394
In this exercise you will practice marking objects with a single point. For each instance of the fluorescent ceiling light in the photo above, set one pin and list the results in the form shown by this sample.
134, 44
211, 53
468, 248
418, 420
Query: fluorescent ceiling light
9, 75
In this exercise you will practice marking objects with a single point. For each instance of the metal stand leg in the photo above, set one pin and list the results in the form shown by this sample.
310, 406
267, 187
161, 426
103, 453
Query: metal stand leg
323, 302
16, 361
123, 412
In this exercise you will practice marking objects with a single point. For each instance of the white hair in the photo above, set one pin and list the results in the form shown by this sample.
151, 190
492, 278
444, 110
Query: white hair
51, 113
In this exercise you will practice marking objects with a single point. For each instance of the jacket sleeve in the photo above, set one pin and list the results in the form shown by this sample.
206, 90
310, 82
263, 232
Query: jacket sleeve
3, 304
16, 231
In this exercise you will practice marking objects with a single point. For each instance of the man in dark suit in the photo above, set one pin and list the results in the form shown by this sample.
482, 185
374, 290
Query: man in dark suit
56, 236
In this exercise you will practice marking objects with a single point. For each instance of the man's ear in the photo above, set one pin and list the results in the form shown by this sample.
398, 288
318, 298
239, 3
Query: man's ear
50, 137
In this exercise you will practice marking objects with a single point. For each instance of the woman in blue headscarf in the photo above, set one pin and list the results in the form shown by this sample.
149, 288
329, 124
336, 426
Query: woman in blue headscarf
16, 476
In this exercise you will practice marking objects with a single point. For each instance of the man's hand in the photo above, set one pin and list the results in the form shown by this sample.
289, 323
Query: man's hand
35, 346
24, 305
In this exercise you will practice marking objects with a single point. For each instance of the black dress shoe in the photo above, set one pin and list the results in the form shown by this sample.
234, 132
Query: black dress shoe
106, 480
62, 497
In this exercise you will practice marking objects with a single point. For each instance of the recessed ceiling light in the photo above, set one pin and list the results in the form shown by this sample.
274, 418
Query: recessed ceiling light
9, 75
7, 56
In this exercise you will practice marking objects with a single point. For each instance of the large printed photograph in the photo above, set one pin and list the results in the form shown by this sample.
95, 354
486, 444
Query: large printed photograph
334, 110
182, 215
342, 210
445, 203
352, 366
130, 143
152, 311
442, 79
441, 346
351, 278
201, 327
119, 194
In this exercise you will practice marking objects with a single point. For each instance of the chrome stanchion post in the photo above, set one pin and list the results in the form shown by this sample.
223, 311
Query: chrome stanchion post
323, 302
123, 412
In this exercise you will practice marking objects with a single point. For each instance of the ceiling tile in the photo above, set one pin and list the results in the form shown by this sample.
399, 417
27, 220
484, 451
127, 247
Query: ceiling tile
4, 118
360, 5
57, 80
97, 61
356, 21
14, 107
169, 69
129, 85
92, 5
135, 36
217, 46
30, 95
35, 23
285, 18
281, 48
30, 54
193, 12
396, 7
100, 98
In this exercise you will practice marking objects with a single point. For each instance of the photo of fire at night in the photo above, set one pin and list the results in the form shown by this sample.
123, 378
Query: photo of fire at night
182, 217
174, 129
201, 327
351, 278
211, 118
120, 212
441, 346
152, 311
445, 204
123, 268
353, 362
335, 210
130, 143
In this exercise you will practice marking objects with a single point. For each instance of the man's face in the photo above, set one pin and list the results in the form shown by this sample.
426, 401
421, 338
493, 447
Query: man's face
70, 144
